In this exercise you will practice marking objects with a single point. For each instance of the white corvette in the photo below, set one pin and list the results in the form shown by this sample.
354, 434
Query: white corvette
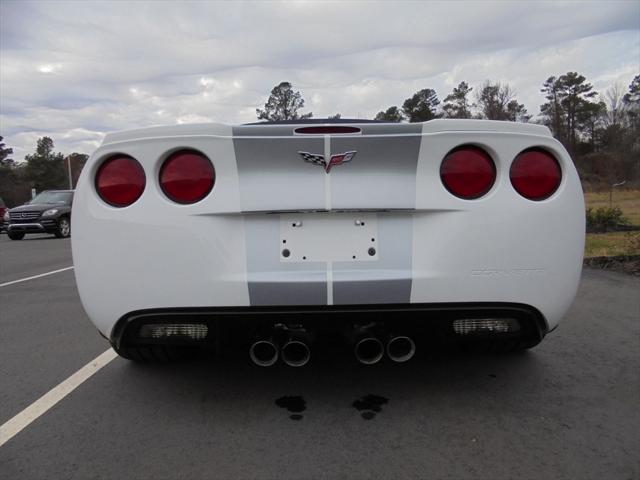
277, 235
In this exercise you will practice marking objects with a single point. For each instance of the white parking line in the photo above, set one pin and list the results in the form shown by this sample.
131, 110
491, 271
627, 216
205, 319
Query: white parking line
53, 396
6, 284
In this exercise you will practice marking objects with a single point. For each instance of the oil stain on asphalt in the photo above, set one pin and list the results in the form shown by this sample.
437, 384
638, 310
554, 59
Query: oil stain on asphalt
294, 405
370, 405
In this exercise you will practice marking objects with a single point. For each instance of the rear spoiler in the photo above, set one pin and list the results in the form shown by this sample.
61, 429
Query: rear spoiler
286, 129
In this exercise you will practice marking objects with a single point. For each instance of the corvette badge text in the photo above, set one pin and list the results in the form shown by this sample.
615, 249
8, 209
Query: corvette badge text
516, 272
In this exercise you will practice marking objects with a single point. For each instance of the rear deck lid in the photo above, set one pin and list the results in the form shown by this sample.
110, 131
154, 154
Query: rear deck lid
283, 168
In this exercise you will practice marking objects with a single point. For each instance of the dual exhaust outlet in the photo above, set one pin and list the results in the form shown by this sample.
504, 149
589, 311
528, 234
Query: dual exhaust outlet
370, 350
369, 346
295, 349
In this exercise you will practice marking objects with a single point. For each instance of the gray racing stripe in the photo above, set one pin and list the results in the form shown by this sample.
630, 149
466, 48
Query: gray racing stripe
381, 175
272, 282
285, 130
389, 279
273, 176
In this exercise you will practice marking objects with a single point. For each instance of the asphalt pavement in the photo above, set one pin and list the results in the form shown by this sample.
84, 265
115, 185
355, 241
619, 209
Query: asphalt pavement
568, 409
32, 255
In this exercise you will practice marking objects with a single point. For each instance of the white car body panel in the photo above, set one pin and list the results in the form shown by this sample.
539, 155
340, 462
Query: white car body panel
225, 249
529, 252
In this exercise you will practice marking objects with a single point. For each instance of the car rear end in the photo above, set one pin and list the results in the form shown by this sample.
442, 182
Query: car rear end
449, 229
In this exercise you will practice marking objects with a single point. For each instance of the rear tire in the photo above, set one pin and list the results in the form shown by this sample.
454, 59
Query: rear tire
64, 228
15, 235
154, 353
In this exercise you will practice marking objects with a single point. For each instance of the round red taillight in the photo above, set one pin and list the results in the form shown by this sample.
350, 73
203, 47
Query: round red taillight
187, 176
468, 172
120, 180
535, 174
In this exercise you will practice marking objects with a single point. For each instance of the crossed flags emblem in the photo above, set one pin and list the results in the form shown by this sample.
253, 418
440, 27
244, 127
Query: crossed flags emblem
337, 159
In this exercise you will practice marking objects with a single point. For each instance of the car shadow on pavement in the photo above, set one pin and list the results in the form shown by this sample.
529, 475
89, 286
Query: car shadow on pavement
332, 380
32, 238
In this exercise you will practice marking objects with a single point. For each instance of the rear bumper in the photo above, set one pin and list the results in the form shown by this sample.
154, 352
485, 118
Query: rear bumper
235, 262
240, 324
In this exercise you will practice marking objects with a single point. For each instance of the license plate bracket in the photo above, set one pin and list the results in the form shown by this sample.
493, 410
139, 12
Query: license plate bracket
329, 237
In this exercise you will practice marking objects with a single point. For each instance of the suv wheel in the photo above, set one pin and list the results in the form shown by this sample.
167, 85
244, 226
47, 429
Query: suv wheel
15, 235
64, 228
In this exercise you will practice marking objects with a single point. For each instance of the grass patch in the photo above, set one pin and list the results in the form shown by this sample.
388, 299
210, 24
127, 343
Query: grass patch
611, 244
627, 200
614, 243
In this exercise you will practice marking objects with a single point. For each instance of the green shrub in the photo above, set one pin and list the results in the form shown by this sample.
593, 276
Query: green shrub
605, 219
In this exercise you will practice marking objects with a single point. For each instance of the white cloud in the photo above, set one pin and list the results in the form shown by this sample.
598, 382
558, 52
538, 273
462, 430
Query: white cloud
74, 70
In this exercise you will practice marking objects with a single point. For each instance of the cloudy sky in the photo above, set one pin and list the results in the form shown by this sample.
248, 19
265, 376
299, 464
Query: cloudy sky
75, 70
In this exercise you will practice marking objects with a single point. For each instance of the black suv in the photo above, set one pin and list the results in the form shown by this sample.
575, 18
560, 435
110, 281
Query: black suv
48, 212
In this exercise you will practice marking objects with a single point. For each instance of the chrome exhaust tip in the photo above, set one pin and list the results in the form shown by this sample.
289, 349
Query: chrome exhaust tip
369, 350
295, 353
401, 348
263, 353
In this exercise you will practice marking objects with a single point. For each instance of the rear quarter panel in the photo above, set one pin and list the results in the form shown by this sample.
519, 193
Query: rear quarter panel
530, 252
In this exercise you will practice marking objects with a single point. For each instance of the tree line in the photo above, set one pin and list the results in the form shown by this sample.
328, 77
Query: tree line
494, 101
44, 169
601, 130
